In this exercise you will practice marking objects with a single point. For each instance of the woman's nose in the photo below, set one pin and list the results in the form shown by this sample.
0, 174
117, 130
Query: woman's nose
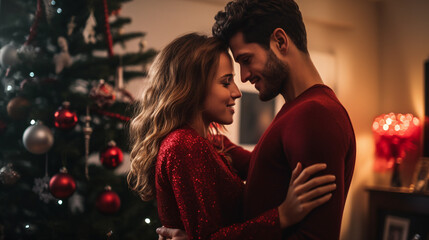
235, 92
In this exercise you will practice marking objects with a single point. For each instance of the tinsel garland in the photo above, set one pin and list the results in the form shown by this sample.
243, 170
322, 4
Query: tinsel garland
107, 29
112, 115
33, 29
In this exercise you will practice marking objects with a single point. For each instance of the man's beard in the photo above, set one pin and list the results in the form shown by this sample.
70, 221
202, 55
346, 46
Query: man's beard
275, 76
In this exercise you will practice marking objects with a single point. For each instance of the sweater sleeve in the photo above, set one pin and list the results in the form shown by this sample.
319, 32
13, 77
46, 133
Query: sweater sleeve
191, 173
317, 137
240, 157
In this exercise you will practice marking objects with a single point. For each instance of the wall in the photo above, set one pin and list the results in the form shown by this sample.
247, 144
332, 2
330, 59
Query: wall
164, 20
404, 45
379, 48
349, 30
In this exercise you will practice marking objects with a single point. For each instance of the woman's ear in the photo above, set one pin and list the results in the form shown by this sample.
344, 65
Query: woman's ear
280, 40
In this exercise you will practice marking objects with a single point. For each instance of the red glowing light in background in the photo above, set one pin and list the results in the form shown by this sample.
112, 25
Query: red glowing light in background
396, 135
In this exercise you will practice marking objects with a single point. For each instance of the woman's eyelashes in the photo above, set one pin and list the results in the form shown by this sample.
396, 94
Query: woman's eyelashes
227, 81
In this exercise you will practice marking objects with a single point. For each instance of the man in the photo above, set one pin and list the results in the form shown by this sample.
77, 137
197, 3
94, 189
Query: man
268, 39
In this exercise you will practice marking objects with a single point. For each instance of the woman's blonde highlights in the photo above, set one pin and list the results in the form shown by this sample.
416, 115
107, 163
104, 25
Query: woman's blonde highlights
178, 82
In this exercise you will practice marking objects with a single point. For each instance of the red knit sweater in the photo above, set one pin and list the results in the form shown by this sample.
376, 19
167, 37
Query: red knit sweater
312, 128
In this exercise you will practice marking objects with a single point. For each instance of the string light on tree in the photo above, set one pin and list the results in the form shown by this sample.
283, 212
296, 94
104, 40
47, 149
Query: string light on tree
64, 55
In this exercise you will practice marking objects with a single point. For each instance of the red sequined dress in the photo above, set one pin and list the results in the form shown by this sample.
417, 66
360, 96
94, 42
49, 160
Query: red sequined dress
198, 191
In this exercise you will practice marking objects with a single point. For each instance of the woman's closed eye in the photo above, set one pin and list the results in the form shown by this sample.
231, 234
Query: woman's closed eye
226, 83
227, 80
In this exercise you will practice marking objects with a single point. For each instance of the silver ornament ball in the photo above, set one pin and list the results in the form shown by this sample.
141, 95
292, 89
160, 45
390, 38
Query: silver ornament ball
8, 55
38, 139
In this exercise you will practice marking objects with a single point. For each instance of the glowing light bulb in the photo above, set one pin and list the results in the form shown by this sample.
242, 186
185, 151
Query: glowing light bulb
388, 121
385, 127
375, 126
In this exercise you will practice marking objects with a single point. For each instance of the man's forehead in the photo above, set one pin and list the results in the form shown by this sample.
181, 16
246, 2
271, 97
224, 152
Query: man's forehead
236, 42
239, 47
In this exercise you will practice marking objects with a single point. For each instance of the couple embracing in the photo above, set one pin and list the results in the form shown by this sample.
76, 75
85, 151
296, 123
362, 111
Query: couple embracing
293, 185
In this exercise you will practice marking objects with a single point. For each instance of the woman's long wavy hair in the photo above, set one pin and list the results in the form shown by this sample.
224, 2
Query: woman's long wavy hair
178, 83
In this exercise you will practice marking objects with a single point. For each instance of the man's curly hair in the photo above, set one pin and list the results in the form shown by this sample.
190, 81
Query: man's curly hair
257, 19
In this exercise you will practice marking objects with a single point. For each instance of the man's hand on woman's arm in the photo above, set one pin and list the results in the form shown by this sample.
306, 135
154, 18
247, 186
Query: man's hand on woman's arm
305, 194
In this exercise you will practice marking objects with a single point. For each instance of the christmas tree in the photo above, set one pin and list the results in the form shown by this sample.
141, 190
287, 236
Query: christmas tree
62, 105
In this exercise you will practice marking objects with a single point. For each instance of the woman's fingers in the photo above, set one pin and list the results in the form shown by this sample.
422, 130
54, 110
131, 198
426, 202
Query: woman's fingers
317, 192
313, 183
295, 172
309, 206
307, 172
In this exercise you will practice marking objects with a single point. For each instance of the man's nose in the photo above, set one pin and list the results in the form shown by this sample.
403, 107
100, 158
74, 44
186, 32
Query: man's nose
244, 74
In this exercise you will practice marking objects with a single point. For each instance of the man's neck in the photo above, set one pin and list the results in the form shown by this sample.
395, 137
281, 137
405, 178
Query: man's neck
303, 76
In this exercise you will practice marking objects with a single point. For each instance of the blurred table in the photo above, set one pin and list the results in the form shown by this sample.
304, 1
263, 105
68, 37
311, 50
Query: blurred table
398, 202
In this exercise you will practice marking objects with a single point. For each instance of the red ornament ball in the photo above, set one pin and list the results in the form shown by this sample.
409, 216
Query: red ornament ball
62, 185
64, 118
18, 107
108, 201
112, 156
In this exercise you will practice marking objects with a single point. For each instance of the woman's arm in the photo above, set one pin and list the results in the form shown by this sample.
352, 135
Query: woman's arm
200, 211
198, 197
240, 157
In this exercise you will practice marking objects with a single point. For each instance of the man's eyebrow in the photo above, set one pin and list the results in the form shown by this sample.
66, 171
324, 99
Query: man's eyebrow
237, 58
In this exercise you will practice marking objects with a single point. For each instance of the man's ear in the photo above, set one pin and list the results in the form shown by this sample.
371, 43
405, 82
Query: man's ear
280, 40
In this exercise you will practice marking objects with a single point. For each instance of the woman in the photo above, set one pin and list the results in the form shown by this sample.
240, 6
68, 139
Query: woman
195, 172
